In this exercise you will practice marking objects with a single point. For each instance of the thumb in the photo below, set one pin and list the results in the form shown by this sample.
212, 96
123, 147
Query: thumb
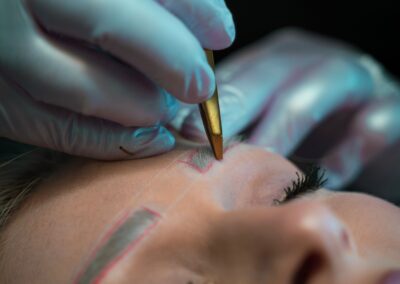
24, 120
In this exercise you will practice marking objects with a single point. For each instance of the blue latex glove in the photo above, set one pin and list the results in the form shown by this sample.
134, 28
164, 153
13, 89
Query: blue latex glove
86, 77
295, 85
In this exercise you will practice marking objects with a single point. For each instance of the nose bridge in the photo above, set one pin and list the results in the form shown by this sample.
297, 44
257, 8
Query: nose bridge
314, 223
296, 223
312, 218
319, 243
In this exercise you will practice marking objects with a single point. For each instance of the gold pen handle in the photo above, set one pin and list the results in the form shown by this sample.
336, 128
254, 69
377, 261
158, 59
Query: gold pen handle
211, 106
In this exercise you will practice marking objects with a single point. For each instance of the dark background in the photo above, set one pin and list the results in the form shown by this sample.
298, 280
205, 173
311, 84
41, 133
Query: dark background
371, 26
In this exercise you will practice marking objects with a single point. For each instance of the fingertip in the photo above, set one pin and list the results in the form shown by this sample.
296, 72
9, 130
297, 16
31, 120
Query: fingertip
231, 31
228, 33
209, 20
209, 83
219, 28
199, 85
165, 139
193, 129
147, 142
220, 33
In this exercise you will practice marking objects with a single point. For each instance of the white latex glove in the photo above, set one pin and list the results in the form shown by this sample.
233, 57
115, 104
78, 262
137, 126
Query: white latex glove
294, 85
89, 77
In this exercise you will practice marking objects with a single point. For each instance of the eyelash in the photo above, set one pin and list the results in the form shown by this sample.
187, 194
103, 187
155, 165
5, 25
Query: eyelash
312, 180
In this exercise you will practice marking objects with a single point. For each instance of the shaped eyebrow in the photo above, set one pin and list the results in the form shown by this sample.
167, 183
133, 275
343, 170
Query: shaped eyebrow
122, 238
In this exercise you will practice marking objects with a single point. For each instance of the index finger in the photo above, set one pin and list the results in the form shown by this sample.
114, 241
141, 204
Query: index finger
142, 34
209, 20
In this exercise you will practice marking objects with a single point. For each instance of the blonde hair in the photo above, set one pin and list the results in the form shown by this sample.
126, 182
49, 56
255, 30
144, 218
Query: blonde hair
22, 168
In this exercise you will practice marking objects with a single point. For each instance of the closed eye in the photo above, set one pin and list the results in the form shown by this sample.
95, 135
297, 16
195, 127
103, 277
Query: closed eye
310, 181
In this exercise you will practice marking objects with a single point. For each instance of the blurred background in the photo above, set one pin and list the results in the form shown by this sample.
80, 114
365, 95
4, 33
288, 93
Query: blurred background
372, 26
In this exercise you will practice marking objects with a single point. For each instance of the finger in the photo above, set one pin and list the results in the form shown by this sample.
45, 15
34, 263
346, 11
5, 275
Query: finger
89, 83
140, 33
375, 129
25, 120
183, 111
329, 85
209, 20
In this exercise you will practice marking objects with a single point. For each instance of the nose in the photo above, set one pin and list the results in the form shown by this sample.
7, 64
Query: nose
297, 243
316, 241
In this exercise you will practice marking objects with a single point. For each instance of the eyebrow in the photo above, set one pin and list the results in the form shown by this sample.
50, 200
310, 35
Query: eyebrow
123, 236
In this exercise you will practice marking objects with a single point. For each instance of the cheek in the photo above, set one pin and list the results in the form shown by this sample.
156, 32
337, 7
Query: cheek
171, 254
378, 239
373, 225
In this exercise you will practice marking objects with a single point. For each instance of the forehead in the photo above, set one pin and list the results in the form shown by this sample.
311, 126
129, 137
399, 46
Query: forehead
373, 222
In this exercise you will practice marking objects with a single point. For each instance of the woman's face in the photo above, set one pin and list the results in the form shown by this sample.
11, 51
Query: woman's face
185, 218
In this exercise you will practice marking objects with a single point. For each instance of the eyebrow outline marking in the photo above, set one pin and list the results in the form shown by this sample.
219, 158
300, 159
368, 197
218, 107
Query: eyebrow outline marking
202, 158
134, 226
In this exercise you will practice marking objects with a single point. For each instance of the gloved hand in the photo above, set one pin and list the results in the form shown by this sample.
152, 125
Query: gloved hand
309, 97
89, 77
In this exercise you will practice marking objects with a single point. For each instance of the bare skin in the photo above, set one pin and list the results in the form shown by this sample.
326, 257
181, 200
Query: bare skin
214, 226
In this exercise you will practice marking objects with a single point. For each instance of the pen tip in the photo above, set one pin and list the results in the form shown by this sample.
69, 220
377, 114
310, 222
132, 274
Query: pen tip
217, 146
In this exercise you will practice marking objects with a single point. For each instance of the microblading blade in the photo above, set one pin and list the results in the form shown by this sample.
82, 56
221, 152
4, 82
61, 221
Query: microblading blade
211, 117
